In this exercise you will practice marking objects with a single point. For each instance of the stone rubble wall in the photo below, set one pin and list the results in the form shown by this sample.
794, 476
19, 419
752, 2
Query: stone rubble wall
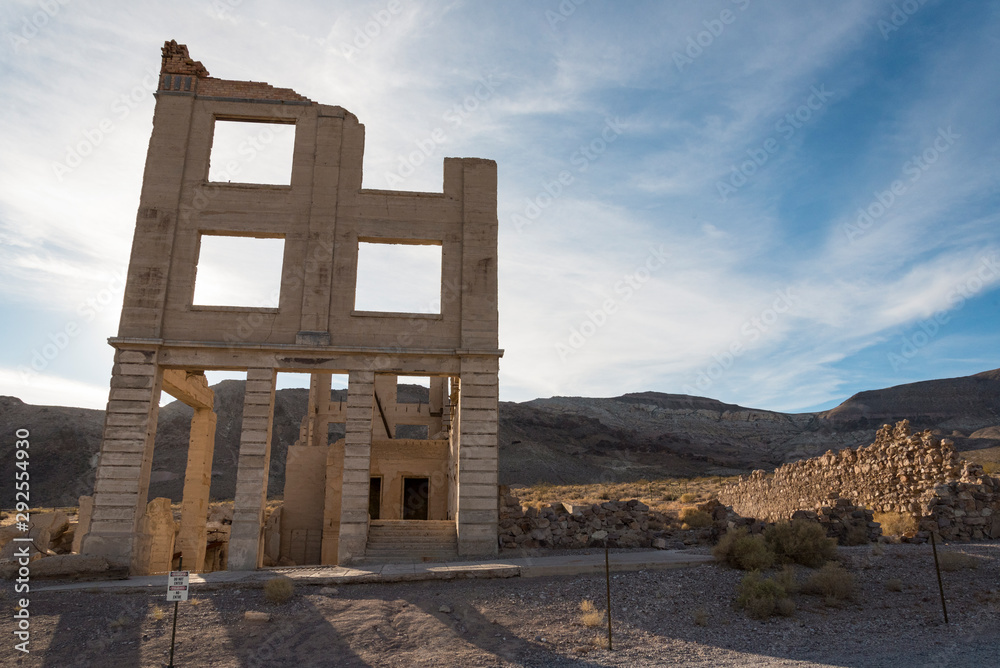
914, 474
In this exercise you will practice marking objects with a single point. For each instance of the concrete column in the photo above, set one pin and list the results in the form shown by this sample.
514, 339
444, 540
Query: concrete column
452, 423
330, 550
197, 483
319, 409
437, 398
245, 544
122, 481
477, 458
357, 467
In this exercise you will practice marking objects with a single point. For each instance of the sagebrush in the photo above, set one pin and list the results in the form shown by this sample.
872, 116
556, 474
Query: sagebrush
761, 597
896, 524
831, 582
739, 549
694, 518
800, 542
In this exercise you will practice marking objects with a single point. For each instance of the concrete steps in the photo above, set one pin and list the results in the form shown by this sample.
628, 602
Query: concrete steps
411, 541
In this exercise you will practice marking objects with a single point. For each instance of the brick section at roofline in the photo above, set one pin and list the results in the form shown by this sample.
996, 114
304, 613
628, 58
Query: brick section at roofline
251, 90
176, 60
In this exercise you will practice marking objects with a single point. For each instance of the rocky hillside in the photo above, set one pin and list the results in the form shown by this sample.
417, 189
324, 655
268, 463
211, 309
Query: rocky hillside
557, 440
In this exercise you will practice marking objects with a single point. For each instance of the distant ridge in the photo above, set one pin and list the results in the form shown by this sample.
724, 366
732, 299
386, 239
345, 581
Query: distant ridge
556, 440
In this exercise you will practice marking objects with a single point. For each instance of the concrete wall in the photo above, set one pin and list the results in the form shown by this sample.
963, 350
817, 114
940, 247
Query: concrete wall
304, 500
321, 216
409, 458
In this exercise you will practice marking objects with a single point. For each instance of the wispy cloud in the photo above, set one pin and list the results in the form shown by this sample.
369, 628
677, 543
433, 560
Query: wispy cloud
506, 81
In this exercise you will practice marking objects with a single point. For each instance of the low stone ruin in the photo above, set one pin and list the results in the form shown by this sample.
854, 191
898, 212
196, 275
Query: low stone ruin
56, 538
632, 523
567, 525
848, 523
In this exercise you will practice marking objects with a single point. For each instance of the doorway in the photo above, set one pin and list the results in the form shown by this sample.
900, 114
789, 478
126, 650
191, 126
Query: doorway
415, 498
375, 497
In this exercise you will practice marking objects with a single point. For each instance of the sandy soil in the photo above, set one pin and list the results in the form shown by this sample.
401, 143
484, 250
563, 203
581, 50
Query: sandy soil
536, 622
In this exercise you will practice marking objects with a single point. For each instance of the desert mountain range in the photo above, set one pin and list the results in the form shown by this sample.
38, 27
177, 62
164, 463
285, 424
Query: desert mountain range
556, 440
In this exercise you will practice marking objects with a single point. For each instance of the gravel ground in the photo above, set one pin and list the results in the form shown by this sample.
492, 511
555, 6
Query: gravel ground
537, 622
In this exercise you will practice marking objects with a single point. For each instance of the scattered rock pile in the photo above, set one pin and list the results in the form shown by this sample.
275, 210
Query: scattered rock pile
565, 525
848, 523
50, 533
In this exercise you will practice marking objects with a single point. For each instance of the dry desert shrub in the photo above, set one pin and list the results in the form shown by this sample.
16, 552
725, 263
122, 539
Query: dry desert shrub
119, 623
956, 561
761, 597
688, 498
694, 518
156, 612
800, 542
896, 524
831, 582
700, 617
279, 590
660, 495
591, 617
739, 549
786, 578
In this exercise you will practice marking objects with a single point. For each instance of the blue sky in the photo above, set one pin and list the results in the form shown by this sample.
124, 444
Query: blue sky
772, 204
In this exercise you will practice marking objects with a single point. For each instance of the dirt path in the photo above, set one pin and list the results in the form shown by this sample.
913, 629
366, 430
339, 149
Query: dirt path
536, 622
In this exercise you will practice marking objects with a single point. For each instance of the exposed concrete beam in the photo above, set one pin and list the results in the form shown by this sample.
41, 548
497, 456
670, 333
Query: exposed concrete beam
191, 387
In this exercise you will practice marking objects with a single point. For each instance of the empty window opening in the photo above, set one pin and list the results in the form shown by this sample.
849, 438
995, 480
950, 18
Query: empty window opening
252, 152
414, 431
289, 380
399, 278
336, 431
413, 389
238, 271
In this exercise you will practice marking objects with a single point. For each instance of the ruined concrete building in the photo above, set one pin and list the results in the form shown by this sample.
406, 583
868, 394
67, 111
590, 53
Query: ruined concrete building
337, 493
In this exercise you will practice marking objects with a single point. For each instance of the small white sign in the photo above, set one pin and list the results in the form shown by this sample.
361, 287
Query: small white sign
177, 585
